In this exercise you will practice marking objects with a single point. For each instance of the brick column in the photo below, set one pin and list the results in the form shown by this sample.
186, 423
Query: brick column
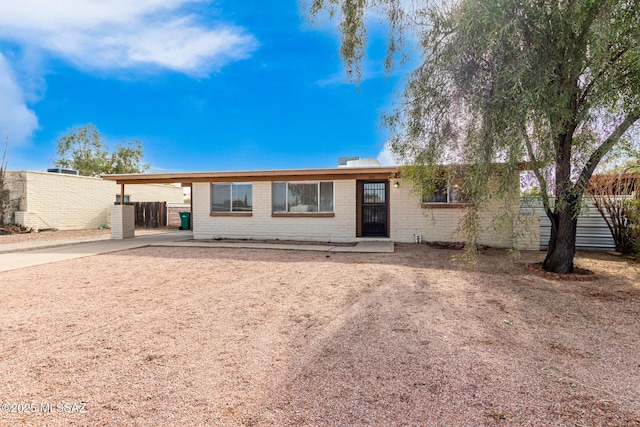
122, 221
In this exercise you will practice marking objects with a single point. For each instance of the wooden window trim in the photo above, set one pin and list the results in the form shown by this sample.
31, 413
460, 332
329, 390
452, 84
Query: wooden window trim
443, 205
303, 215
231, 214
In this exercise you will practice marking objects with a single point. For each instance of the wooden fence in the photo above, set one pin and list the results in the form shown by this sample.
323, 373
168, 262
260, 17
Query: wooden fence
173, 213
151, 214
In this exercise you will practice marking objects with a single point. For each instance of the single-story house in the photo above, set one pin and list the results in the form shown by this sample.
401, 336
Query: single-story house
73, 202
358, 201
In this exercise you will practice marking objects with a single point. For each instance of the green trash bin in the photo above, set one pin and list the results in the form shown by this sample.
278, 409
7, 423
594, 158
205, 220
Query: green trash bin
184, 220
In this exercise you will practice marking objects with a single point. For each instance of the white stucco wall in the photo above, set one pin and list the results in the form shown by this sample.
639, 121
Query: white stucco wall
261, 225
71, 202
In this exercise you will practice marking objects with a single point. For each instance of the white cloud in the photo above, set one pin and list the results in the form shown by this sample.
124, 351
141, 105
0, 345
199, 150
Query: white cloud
116, 34
16, 120
335, 79
339, 78
385, 157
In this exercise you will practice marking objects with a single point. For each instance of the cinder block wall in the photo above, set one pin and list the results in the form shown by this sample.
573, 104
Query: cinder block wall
261, 225
71, 202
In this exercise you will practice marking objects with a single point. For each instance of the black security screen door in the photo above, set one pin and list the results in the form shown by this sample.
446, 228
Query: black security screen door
374, 209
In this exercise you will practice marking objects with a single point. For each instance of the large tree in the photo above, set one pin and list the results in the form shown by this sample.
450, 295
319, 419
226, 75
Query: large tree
84, 150
551, 83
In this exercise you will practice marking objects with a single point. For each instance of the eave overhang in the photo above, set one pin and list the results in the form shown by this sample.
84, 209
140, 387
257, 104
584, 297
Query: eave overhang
328, 174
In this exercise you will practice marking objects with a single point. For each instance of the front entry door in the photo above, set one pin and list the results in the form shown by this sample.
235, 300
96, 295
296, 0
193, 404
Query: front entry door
374, 209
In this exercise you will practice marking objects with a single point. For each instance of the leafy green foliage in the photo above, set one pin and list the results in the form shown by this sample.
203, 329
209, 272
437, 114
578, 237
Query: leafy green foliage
84, 150
631, 163
551, 84
128, 158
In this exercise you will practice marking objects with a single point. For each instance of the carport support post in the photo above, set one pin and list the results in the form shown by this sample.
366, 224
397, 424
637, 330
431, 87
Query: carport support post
123, 221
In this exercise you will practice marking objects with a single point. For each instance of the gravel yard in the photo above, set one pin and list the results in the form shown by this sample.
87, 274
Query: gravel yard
203, 336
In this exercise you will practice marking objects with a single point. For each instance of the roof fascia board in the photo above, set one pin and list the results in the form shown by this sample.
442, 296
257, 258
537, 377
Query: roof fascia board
251, 176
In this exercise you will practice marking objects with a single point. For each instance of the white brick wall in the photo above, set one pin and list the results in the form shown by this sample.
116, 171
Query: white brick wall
70, 202
440, 224
122, 221
261, 225
407, 218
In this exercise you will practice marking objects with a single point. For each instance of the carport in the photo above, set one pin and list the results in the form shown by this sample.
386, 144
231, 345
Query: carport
123, 215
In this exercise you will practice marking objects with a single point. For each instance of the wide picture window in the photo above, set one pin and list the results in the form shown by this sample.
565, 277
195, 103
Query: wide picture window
229, 198
302, 197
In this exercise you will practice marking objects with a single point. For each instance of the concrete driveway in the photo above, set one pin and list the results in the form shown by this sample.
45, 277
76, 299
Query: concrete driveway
27, 255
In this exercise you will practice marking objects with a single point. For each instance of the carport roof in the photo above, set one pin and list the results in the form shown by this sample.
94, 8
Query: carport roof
368, 173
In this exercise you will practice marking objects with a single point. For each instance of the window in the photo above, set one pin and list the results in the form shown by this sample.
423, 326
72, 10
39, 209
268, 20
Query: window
444, 192
302, 197
227, 198
127, 198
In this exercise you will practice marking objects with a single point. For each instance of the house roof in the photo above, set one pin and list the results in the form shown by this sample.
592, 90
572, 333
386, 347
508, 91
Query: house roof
377, 172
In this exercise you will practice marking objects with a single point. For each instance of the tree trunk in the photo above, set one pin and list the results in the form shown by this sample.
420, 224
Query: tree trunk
564, 218
562, 244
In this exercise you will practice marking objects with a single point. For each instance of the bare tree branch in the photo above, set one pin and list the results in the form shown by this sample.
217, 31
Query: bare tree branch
603, 149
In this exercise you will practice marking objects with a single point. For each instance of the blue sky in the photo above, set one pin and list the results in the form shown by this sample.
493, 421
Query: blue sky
204, 85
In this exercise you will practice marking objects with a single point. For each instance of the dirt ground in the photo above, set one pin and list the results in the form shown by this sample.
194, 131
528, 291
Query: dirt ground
47, 237
204, 336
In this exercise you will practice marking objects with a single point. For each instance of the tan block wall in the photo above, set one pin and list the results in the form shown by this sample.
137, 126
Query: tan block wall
27, 219
340, 228
409, 217
70, 202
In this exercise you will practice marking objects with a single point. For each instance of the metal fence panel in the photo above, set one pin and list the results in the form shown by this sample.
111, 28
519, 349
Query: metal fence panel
592, 233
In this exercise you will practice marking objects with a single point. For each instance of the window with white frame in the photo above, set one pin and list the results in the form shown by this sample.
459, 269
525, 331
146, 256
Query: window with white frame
231, 197
302, 197
444, 191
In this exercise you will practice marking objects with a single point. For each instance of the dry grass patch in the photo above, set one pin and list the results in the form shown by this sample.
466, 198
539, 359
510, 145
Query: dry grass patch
201, 336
